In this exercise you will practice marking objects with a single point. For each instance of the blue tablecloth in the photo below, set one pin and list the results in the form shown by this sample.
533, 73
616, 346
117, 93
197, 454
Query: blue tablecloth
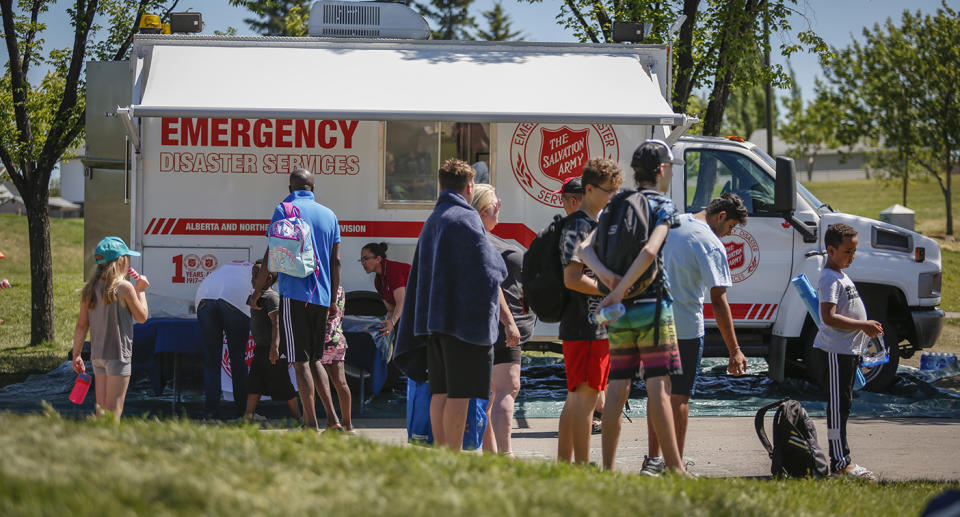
170, 335
366, 348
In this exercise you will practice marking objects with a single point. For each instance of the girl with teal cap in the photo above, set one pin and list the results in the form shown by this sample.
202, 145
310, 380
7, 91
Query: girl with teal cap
108, 305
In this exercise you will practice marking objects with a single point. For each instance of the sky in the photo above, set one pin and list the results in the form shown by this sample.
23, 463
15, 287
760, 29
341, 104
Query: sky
836, 21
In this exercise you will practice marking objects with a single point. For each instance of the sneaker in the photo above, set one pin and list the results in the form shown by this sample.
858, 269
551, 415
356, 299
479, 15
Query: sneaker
652, 467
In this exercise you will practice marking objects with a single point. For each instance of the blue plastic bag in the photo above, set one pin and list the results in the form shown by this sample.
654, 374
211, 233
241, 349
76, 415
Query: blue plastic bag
418, 418
418, 413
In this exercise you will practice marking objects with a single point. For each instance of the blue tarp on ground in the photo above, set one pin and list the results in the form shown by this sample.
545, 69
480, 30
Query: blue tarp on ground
544, 390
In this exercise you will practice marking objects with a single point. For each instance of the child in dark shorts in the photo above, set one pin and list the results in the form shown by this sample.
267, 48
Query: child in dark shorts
268, 371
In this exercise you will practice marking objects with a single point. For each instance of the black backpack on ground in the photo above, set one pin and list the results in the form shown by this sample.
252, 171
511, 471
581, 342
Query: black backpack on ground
542, 274
795, 452
622, 232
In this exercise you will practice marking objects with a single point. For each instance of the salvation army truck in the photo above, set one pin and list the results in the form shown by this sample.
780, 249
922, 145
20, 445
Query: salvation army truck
192, 164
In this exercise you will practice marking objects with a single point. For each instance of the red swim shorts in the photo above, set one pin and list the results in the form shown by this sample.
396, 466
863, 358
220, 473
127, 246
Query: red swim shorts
587, 361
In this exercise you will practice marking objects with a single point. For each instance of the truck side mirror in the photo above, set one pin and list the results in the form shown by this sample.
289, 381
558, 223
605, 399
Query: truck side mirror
785, 198
785, 195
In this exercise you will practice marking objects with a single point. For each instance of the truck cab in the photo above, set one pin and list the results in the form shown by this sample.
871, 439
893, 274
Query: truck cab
897, 271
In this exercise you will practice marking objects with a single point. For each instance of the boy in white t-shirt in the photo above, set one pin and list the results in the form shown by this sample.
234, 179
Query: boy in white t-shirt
842, 339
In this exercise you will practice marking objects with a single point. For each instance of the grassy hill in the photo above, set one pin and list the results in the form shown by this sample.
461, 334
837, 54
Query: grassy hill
56, 466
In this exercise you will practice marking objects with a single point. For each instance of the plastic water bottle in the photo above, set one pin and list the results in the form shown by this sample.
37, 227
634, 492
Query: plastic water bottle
941, 361
882, 356
80, 388
609, 313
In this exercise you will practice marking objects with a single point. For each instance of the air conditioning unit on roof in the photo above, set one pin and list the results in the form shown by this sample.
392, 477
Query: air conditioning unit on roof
339, 19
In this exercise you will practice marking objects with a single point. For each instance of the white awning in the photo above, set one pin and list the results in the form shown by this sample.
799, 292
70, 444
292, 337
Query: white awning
398, 81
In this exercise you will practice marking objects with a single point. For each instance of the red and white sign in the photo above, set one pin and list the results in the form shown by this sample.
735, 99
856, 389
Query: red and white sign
197, 145
226, 371
743, 254
543, 157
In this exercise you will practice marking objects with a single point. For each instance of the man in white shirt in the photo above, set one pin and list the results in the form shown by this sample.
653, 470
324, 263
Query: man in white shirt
222, 308
696, 260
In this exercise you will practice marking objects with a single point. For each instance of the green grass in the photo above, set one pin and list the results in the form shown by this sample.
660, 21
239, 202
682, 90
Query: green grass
869, 197
17, 358
56, 466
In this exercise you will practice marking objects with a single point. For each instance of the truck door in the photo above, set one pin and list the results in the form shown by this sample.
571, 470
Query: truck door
760, 254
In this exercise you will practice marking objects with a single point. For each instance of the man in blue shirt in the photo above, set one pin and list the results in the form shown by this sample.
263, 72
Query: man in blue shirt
304, 301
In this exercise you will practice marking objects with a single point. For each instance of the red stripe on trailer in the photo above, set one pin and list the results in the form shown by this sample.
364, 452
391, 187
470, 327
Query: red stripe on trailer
395, 229
147, 231
169, 226
516, 231
220, 227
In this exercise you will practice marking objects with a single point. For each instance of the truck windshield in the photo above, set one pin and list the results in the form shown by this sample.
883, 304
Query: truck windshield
808, 196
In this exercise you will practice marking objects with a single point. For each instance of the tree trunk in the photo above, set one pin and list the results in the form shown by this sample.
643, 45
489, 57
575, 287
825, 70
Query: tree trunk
740, 18
948, 198
713, 120
906, 183
41, 265
683, 50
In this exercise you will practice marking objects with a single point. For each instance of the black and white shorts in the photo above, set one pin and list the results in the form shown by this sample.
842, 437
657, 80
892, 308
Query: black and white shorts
303, 328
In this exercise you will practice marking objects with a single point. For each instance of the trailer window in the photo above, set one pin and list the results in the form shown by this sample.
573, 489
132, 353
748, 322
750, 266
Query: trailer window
470, 142
414, 150
710, 173
410, 161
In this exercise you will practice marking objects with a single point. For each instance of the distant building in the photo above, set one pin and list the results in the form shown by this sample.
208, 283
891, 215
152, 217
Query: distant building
828, 164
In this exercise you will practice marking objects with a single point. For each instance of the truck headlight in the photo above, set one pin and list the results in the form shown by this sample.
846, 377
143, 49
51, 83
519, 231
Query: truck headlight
928, 285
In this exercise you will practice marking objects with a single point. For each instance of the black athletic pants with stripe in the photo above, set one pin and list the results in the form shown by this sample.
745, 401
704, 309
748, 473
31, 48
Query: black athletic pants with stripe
841, 370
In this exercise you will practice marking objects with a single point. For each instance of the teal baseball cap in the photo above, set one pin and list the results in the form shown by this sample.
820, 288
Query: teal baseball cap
112, 248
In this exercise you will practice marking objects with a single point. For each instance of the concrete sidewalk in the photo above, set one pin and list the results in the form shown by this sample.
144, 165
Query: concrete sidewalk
895, 449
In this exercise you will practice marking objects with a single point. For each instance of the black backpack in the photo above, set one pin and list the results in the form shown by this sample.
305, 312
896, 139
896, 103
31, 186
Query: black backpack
795, 452
622, 232
542, 274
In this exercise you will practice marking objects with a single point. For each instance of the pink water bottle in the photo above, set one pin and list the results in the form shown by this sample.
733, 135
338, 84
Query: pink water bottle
80, 388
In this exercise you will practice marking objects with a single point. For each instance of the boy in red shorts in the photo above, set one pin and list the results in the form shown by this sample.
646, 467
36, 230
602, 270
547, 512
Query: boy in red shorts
586, 353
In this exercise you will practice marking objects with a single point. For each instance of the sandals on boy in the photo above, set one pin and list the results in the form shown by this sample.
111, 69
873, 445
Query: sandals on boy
857, 472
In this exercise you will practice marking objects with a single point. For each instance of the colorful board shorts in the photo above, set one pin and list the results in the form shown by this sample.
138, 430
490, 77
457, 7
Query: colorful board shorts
632, 351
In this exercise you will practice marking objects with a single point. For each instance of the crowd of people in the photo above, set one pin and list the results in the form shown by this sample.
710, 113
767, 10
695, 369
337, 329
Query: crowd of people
458, 315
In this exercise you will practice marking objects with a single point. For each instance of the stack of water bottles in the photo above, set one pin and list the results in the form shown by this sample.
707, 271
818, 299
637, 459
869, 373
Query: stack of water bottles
938, 361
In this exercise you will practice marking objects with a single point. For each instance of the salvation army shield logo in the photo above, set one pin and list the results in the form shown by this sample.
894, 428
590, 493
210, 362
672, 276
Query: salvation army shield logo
563, 152
734, 254
743, 254
543, 156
